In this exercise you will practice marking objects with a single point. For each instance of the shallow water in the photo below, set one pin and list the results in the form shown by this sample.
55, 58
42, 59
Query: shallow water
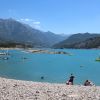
53, 67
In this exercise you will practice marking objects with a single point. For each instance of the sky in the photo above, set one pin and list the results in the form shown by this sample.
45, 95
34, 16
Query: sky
58, 16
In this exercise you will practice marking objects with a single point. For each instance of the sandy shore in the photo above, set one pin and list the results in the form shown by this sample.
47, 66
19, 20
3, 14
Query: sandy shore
24, 90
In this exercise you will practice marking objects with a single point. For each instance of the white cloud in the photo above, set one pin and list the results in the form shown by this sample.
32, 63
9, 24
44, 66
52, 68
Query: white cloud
26, 19
21, 19
36, 22
31, 22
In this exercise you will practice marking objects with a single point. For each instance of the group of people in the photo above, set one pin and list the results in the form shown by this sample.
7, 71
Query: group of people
71, 79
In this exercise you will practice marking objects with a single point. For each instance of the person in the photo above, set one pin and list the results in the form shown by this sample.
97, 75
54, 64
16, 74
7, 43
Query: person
42, 77
88, 83
70, 81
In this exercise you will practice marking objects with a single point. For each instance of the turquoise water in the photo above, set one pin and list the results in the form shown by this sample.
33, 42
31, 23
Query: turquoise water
53, 67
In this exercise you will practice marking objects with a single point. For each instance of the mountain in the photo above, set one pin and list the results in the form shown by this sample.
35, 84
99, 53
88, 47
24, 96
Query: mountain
53, 38
76, 40
17, 32
87, 44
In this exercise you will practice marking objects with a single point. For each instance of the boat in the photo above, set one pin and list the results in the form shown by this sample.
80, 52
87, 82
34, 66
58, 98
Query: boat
97, 59
5, 58
3, 53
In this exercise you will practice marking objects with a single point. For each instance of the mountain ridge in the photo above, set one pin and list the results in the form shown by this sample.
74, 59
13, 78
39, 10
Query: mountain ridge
15, 31
77, 39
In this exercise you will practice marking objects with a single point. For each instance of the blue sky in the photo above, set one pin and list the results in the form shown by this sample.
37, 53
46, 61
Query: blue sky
58, 16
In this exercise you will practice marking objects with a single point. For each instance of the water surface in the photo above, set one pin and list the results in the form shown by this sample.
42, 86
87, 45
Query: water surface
53, 67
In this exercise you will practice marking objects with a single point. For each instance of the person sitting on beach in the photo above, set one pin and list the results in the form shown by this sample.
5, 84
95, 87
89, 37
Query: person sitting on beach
88, 83
70, 81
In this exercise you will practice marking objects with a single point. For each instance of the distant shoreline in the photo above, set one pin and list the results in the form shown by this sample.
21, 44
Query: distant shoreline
50, 48
41, 50
1, 48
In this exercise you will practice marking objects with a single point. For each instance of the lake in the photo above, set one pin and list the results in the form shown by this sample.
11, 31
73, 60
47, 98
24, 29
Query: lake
54, 68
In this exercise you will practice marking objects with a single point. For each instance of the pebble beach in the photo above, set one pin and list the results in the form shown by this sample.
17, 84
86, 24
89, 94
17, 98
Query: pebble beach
11, 89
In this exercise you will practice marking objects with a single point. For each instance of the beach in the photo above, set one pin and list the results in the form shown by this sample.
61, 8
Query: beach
11, 89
